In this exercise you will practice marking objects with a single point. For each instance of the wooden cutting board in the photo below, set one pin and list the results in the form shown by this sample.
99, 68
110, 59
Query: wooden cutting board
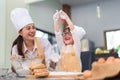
63, 75
73, 75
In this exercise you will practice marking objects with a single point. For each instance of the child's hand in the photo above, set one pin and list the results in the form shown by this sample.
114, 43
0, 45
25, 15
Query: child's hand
52, 64
56, 16
63, 15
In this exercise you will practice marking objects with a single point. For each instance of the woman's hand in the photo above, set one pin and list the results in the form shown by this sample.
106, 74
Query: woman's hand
15, 57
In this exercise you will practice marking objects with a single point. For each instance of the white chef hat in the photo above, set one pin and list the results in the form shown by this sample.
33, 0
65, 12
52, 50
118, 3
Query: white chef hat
20, 18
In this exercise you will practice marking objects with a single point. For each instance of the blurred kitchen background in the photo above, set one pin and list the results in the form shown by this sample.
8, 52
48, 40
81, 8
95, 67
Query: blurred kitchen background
95, 16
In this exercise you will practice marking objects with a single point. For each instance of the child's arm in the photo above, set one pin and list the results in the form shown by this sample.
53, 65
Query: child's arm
56, 18
64, 16
57, 30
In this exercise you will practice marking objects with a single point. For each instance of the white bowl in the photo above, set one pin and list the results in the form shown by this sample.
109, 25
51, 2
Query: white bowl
23, 72
3, 71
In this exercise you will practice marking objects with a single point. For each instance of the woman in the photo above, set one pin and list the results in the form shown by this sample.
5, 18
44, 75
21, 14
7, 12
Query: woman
26, 45
69, 43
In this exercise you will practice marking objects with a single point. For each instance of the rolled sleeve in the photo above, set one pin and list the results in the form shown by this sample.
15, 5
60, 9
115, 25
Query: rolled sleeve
14, 50
79, 31
59, 39
58, 33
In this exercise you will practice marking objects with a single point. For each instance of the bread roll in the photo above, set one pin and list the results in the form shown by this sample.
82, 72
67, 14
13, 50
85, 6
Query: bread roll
37, 66
40, 70
41, 74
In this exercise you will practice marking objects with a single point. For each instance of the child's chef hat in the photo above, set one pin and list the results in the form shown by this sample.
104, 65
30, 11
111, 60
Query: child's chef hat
20, 18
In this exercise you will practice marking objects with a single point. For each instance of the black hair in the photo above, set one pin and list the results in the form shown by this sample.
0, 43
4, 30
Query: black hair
19, 42
66, 28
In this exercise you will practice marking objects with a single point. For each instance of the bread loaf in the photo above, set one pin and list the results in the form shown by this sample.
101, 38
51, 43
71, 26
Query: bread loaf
38, 70
41, 74
37, 66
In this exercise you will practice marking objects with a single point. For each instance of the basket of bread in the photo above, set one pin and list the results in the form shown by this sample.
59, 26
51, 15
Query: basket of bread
38, 70
103, 69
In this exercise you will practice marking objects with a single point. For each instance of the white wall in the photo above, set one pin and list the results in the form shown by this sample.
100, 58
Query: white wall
7, 31
85, 16
10, 31
42, 14
2, 31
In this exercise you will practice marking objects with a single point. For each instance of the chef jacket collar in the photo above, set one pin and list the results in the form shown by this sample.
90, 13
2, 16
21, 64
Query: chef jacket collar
25, 48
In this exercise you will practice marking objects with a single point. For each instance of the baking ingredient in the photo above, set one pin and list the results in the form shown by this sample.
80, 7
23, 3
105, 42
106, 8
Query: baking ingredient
101, 60
87, 74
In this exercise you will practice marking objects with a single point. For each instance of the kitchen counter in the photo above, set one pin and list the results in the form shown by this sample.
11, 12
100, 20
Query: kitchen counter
47, 79
60, 77
52, 76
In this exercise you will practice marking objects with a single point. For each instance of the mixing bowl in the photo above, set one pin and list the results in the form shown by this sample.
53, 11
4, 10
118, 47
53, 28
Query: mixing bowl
3, 71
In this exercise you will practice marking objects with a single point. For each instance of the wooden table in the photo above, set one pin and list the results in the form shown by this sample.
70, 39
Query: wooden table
62, 78
57, 76
52, 76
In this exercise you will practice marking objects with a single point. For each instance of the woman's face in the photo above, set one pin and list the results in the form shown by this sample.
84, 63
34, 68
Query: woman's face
67, 37
28, 32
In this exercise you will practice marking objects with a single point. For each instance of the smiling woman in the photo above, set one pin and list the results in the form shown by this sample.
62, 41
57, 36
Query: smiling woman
26, 45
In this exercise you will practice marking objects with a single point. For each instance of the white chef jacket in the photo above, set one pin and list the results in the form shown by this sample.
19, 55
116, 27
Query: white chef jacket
45, 45
77, 34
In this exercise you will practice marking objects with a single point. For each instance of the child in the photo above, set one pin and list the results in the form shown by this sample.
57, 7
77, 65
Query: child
68, 43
